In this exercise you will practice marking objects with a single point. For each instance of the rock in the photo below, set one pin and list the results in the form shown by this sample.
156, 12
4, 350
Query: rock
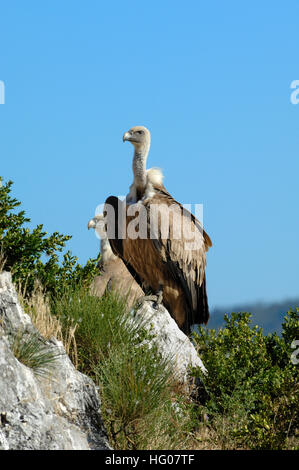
61, 409
11, 313
57, 410
172, 343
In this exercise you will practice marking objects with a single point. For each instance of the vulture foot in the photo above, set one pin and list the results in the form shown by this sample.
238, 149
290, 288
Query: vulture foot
156, 298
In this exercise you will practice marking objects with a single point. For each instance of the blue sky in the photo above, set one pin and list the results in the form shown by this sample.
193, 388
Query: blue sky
211, 80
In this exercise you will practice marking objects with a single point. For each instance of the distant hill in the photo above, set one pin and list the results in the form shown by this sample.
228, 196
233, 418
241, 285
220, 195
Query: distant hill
269, 316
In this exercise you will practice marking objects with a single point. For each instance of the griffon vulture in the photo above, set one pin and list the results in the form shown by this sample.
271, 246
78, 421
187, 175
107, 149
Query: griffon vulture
172, 262
114, 274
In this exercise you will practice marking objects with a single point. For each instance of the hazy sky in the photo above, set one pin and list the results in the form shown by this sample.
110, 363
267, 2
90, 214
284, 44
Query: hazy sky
212, 82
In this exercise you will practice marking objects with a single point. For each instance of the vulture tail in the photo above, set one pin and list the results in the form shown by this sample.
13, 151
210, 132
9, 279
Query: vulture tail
197, 306
203, 306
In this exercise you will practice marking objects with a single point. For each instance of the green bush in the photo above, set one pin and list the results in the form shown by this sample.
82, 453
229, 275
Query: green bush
252, 382
99, 324
32, 254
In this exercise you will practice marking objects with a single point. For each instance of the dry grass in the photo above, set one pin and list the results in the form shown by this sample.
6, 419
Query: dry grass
2, 260
217, 436
37, 306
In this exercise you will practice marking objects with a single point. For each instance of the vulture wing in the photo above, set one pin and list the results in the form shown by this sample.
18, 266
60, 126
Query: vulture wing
116, 242
173, 259
183, 250
160, 189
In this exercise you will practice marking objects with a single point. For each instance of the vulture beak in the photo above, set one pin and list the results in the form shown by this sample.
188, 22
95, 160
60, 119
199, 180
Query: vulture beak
91, 224
127, 136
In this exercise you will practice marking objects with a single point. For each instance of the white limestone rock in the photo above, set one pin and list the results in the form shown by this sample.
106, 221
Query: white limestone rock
171, 342
60, 410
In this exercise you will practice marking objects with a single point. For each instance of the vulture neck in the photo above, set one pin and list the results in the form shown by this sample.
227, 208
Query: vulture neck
139, 168
106, 251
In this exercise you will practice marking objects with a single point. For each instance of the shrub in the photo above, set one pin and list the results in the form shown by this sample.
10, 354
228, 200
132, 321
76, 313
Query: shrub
252, 384
32, 254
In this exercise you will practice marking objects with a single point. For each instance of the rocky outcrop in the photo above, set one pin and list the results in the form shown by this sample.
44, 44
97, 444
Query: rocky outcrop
60, 409
56, 410
171, 342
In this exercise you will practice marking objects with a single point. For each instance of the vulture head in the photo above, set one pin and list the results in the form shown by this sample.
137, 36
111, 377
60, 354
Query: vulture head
140, 137
98, 224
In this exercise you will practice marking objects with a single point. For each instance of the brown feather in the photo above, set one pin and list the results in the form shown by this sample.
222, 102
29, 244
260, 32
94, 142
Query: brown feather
115, 276
166, 262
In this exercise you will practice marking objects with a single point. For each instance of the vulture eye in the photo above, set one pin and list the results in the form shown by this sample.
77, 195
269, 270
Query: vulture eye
139, 132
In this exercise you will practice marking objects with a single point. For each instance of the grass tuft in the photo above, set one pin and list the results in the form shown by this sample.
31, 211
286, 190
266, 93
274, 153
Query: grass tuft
33, 351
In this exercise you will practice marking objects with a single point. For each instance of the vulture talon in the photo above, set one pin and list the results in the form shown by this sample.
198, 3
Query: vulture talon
155, 298
148, 298
159, 300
